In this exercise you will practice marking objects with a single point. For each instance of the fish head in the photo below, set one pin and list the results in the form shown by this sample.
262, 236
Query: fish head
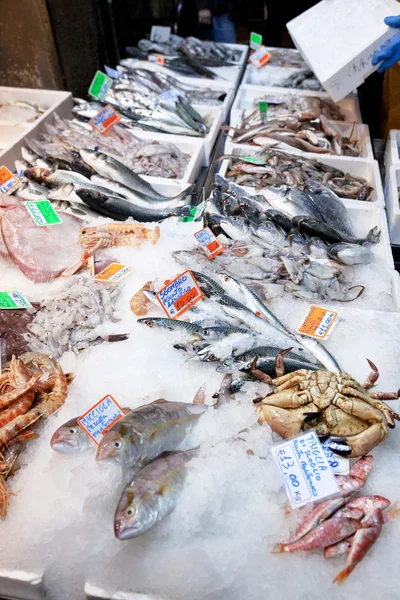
70, 438
120, 445
37, 173
226, 366
134, 514
236, 229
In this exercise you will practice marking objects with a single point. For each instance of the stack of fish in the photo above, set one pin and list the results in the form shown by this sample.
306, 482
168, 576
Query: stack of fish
144, 443
283, 105
286, 57
298, 131
302, 80
19, 112
270, 167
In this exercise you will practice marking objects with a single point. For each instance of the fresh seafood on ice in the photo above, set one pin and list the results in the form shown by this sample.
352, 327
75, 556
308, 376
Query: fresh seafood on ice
285, 105
19, 112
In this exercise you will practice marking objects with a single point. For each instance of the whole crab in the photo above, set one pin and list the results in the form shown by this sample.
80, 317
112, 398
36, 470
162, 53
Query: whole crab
334, 404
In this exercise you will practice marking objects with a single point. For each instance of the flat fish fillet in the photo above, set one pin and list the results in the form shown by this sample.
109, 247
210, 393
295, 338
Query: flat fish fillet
42, 253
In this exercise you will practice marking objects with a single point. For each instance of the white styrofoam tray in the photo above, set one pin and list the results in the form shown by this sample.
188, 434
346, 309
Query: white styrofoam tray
392, 202
360, 133
358, 167
392, 148
338, 40
93, 592
21, 585
246, 99
50, 100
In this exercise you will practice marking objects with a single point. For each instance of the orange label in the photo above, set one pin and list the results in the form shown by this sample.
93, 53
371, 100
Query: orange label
156, 58
260, 57
113, 272
106, 118
319, 322
210, 244
179, 295
8, 181
100, 418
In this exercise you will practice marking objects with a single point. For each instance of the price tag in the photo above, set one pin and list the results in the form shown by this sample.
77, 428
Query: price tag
263, 107
156, 58
113, 73
8, 181
253, 160
106, 118
195, 213
179, 294
171, 95
13, 300
211, 245
340, 465
305, 469
160, 34
100, 418
42, 213
319, 322
114, 272
260, 57
100, 85
255, 40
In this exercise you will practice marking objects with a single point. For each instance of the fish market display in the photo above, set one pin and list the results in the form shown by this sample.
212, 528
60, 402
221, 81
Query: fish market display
70, 319
303, 133
303, 80
277, 167
33, 388
334, 404
19, 112
286, 57
298, 104
343, 526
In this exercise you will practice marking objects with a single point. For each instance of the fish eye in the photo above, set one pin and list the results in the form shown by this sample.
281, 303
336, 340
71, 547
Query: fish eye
117, 444
212, 357
206, 331
130, 511
72, 430
226, 363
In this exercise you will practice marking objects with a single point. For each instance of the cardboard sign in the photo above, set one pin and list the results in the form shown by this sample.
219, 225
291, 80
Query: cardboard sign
255, 40
13, 300
100, 418
106, 118
210, 244
156, 58
100, 85
179, 295
319, 322
305, 469
114, 272
8, 181
260, 57
42, 213
160, 34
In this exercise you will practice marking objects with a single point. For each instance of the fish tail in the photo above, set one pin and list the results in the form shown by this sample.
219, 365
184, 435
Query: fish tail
278, 549
374, 235
343, 575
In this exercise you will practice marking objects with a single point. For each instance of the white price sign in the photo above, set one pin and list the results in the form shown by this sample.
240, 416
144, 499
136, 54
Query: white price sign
305, 469
160, 34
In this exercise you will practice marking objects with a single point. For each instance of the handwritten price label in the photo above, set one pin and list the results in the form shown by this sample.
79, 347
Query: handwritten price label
260, 57
100, 85
305, 469
210, 244
106, 118
8, 181
179, 295
100, 418
319, 322
42, 213
114, 272
340, 465
156, 58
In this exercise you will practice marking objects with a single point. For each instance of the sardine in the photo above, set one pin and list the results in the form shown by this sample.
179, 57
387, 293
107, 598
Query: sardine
151, 495
148, 431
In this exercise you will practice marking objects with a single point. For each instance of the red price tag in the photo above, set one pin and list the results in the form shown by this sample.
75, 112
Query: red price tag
210, 244
106, 118
156, 58
179, 295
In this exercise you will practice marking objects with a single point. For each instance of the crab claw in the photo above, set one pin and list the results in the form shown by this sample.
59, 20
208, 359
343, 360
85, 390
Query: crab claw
362, 443
339, 448
280, 363
372, 377
260, 375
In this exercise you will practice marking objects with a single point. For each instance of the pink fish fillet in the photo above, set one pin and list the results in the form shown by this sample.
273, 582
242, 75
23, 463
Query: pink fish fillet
326, 534
42, 253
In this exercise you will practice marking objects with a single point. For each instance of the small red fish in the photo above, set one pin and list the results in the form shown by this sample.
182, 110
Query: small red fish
319, 513
368, 503
338, 549
326, 534
363, 467
348, 484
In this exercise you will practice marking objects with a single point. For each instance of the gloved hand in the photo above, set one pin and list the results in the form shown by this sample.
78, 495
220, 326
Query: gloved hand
390, 54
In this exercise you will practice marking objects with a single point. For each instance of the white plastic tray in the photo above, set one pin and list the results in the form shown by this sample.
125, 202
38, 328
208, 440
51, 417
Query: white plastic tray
392, 202
246, 97
50, 100
360, 133
21, 585
92, 592
392, 148
358, 167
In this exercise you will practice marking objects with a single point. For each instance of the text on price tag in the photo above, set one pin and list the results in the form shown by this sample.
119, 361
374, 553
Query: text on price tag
255, 40
13, 300
100, 85
179, 294
100, 418
156, 58
260, 57
319, 322
159, 33
8, 181
340, 465
106, 118
42, 213
114, 272
210, 244
305, 469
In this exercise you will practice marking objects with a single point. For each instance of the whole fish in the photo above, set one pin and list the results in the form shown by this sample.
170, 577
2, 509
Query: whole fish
368, 503
326, 534
351, 254
30, 190
365, 537
148, 431
321, 512
54, 178
326, 232
151, 495
120, 209
171, 324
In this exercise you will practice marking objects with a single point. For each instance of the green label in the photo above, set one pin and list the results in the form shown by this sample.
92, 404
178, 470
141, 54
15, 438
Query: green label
195, 213
100, 85
13, 300
255, 40
263, 105
253, 160
42, 213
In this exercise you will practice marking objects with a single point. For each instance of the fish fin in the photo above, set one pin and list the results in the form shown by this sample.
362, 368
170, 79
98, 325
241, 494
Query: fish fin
374, 235
343, 575
200, 395
159, 401
278, 549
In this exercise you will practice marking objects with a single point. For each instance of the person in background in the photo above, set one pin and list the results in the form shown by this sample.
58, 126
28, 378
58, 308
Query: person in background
218, 16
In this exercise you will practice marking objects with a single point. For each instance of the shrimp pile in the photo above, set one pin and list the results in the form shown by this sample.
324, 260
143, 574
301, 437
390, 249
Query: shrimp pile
32, 388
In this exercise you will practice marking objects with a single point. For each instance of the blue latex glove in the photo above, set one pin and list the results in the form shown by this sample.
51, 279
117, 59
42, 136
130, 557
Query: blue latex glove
390, 54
